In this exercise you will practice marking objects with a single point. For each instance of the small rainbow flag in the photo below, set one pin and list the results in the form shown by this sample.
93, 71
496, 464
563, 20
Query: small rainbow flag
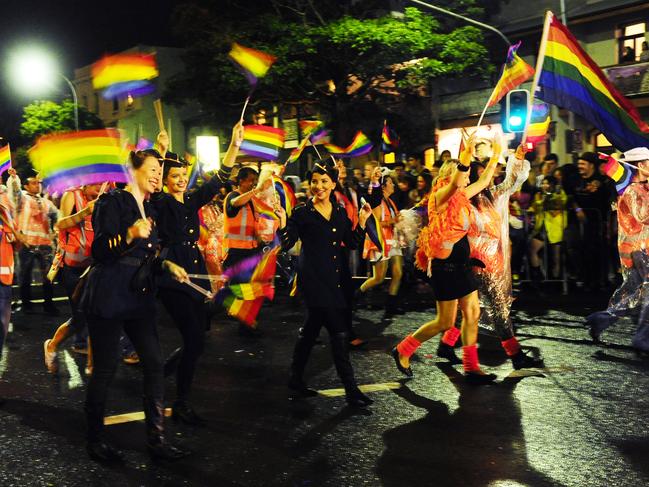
389, 140
621, 174
286, 195
193, 169
252, 63
515, 72
262, 141
121, 75
5, 158
537, 130
360, 145
307, 127
77, 158
263, 209
374, 232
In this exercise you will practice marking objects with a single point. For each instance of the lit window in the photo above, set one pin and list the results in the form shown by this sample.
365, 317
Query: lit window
632, 36
635, 29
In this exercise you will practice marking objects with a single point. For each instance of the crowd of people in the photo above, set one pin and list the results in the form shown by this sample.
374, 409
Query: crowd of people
469, 227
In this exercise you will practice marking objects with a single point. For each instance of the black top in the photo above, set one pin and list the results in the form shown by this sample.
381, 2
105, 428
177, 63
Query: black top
594, 193
179, 229
323, 278
110, 290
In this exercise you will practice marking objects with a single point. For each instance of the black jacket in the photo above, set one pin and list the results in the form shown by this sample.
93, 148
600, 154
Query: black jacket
323, 276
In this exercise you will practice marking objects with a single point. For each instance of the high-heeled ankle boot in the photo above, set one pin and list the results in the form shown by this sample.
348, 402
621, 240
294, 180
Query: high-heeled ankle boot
158, 446
301, 353
340, 351
182, 411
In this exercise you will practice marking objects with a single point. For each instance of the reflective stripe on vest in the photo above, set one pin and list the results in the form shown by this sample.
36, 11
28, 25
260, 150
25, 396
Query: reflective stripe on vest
6, 261
239, 232
78, 239
36, 227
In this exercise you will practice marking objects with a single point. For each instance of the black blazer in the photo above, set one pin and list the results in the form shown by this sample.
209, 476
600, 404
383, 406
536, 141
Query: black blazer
323, 277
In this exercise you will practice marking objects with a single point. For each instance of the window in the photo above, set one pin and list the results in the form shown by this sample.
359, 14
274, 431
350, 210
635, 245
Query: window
115, 105
630, 41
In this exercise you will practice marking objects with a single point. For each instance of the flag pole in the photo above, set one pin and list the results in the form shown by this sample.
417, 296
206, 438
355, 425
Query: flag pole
537, 73
484, 110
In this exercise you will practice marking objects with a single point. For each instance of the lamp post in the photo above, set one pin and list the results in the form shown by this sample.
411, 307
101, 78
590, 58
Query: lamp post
33, 71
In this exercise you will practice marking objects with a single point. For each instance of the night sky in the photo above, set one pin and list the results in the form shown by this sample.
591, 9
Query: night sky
77, 32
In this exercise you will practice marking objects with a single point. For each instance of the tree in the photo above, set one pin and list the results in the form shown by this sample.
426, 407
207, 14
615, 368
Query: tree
351, 58
45, 117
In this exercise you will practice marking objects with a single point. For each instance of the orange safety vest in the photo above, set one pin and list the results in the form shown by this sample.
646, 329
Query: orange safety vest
388, 210
239, 232
6, 243
33, 220
77, 240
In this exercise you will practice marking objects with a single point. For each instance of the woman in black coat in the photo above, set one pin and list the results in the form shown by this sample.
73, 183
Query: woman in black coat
120, 296
179, 229
323, 277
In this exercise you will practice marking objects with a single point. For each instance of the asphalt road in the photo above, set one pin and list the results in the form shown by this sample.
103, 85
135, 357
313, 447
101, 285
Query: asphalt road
582, 421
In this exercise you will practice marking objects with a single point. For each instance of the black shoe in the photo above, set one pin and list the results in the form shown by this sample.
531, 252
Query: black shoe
405, 371
301, 388
162, 450
103, 452
356, 399
478, 379
523, 361
448, 352
183, 412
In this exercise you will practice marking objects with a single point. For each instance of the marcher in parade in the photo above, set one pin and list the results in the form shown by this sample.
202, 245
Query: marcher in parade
324, 277
119, 295
443, 248
178, 229
75, 240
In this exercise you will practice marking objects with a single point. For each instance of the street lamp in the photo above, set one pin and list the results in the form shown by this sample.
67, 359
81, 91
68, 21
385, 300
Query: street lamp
33, 71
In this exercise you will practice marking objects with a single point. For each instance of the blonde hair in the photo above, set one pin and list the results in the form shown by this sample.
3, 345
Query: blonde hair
446, 170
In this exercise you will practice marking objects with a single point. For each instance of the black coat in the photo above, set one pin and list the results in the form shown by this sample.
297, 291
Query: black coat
179, 229
323, 276
112, 290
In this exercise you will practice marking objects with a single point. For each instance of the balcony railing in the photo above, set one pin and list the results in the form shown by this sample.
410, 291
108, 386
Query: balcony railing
630, 79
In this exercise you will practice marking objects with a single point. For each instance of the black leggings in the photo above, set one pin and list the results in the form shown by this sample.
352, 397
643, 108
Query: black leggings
70, 278
190, 318
105, 335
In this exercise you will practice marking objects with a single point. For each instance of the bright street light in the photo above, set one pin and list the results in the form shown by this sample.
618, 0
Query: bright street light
34, 72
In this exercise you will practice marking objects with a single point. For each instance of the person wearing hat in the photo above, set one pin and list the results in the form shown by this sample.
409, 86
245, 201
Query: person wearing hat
591, 205
179, 229
633, 245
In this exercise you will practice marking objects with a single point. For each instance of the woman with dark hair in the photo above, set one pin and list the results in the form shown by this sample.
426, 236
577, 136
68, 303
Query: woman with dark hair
120, 295
324, 278
179, 229
443, 250
424, 185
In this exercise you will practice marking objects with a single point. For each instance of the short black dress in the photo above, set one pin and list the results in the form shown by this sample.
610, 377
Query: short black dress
452, 278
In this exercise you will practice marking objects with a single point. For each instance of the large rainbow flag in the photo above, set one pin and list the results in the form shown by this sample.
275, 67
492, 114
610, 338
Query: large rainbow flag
5, 158
122, 75
515, 71
262, 141
570, 79
252, 63
360, 145
77, 158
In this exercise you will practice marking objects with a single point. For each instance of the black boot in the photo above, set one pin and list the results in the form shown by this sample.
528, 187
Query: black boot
103, 452
157, 444
523, 361
340, 352
171, 364
301, 353
390, 306
182, 411
448, 352
97, 449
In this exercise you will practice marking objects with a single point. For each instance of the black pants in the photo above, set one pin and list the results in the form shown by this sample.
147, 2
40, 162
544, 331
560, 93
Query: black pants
105, 335
70, 278
237, 255
43, 255
335, 321
190, 318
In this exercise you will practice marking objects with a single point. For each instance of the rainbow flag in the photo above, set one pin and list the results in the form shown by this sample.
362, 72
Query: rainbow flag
537, 130
286, 195
5, 158
262, 141
570, 79
621, 174
193, 169
375, 233
122, 75
263, 209
389, 140
320, 136
307, 127
515, 71
77, 158
252, 63
360, 145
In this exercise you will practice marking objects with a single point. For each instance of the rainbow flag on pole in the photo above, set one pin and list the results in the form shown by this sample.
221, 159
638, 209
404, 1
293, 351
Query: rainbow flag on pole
262, 141
286, 195
570, 79
389, 140
537, 130
74, 159
307, 127
515, 72
360, 145
124, 74
375, 232
5, 158
621, 174
252, 63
